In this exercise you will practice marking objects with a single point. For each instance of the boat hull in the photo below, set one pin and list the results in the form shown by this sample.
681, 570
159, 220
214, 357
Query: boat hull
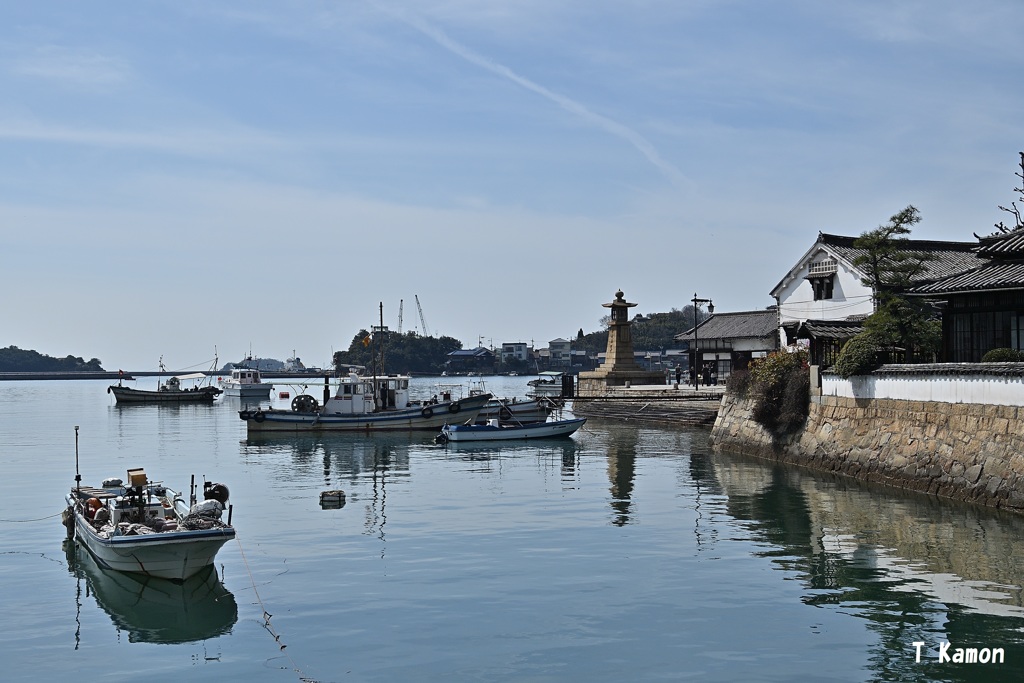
129, 395
545, 430
248, 391
416, 418
175, 555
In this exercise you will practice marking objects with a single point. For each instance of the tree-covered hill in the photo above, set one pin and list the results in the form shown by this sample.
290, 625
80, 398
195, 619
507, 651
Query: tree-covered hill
403, 353
13, 359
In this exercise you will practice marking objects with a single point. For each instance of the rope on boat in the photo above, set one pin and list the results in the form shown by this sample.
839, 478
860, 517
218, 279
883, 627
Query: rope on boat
267, 615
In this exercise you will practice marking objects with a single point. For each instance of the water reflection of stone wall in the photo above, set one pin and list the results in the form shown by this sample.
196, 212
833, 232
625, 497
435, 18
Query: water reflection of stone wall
964, 555
967, 452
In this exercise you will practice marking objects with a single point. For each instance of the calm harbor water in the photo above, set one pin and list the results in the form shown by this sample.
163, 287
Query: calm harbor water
626, 553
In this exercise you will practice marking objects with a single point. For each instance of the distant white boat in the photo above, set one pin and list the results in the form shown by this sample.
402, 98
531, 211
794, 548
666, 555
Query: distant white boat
548, 384
246, 383
493, 431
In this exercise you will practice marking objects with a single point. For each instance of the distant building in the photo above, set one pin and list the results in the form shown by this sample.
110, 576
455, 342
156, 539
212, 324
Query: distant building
729, 341
471, 360
559, 353
515, 351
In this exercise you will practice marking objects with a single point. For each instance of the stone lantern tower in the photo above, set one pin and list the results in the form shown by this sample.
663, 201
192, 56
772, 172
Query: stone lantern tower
620, 367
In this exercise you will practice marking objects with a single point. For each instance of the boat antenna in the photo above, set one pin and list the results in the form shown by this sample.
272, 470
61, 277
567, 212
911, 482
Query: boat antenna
78, 476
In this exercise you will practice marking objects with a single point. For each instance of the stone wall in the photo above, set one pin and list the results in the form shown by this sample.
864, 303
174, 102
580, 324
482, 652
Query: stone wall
971, 452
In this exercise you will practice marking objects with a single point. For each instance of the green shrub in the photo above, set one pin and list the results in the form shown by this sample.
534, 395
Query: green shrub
1003, 355
781, 385
859, 356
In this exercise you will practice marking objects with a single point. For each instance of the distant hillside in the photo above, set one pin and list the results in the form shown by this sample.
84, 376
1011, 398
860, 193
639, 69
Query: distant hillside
13, 359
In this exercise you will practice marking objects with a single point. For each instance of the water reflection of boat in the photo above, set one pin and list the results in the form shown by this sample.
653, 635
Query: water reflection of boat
156, 610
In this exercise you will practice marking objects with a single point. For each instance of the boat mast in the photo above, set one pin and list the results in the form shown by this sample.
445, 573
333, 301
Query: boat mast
78, 476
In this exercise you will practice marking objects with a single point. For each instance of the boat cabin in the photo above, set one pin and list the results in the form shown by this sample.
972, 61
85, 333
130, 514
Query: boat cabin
363, 395
245, 376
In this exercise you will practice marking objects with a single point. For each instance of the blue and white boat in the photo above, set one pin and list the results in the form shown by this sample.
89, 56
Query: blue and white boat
495, 431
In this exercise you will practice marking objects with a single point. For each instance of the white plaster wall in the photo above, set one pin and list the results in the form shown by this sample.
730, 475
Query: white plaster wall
849, 296
986, 389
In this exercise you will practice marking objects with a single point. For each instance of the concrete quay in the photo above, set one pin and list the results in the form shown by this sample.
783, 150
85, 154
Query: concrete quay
660, 404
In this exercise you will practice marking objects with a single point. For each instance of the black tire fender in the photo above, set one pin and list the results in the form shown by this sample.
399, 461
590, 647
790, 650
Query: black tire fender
454, 407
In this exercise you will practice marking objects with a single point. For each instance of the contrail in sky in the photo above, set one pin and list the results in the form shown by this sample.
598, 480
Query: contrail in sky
613, 127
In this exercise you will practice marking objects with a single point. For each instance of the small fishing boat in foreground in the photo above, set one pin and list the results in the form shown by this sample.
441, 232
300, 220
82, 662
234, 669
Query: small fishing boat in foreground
494, 431
147, 528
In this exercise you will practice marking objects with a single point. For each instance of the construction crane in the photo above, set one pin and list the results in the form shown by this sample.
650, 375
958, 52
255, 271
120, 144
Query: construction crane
401, 303
423, 322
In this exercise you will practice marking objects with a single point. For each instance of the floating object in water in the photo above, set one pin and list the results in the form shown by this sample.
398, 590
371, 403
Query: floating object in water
332, 500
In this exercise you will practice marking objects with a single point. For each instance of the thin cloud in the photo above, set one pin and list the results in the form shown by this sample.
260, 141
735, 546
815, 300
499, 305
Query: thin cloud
74, 68
614, 127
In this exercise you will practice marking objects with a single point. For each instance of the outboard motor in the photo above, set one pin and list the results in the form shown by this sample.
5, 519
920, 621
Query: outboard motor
217, 492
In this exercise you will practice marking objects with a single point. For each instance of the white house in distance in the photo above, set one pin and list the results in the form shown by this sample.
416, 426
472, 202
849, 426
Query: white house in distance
560, 352
514, 351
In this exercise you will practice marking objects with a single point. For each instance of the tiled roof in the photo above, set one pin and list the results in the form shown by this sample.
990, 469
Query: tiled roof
830, 329
740, 325
996, 275
946, 258
1002, 245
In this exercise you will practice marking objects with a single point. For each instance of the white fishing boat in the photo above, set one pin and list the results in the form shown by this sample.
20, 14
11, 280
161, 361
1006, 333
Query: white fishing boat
362, 404
495, 431
548, 384
246, 383
147, 528
513, 410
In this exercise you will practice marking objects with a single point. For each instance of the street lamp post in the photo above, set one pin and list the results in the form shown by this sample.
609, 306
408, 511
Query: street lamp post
696, 349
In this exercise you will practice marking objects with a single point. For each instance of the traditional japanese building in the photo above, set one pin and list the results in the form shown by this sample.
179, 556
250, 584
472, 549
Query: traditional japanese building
984, 306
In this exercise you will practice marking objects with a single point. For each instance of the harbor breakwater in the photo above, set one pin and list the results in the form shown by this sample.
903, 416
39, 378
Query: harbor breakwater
951, 431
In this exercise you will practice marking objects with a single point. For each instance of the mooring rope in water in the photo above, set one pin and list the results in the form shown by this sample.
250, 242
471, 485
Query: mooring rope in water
267, 615
23, 521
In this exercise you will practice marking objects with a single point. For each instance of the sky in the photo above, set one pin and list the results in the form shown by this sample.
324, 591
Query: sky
187, 179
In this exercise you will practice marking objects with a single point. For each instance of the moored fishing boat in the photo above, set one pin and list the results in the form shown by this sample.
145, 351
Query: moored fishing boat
246, 383
513, 410
363, 404
494, 431
548, 384
147, 528
170, 390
